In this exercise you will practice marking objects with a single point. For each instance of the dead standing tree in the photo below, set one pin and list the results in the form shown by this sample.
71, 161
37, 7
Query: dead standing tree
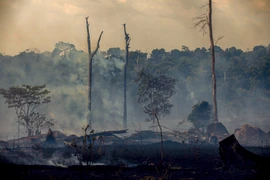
91, 56
202, 22
215, 128
127, 40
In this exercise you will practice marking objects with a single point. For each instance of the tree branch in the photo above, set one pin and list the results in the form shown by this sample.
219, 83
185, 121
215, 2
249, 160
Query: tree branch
219, 38
93, 54
127, 38
202, 22
32, 110
205, 5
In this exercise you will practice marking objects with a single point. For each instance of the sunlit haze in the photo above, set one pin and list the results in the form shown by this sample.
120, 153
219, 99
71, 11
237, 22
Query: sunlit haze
151, 24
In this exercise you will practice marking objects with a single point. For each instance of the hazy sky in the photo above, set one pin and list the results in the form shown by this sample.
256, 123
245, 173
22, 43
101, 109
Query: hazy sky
151, 23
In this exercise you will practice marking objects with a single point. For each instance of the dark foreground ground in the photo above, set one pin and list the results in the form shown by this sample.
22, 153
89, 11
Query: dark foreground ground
116, 172
141, 162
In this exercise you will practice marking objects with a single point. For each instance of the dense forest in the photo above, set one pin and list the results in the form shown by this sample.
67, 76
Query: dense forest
243, 83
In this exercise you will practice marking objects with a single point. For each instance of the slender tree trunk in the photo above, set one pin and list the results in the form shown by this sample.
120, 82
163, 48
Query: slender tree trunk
88, 37
127, 40
125, 97
28, 128
18, 129
29, 132
90, 77
153, 116
214, 86
161, 138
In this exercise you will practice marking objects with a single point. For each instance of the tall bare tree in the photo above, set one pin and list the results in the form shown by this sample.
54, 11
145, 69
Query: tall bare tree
127, 40
91, 56
202, 22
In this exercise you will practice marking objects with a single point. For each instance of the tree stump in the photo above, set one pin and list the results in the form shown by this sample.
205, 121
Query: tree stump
217, 129
233, 154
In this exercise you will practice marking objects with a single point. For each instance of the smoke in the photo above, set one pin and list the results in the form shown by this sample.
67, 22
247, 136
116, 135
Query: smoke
64, 70
151, 24
31, 157
59, 159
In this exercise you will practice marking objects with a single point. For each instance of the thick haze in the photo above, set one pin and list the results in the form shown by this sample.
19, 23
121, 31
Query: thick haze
168, 24
151, 24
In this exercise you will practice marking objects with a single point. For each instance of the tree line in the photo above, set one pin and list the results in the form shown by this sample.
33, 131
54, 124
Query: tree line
242, 78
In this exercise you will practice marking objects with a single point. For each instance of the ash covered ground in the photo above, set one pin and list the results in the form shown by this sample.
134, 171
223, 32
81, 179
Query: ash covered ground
123, 155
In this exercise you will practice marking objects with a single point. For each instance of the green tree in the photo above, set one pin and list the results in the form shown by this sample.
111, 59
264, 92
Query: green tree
259, 51
115, 52
137, 61
155, 93
25, 100
200, 115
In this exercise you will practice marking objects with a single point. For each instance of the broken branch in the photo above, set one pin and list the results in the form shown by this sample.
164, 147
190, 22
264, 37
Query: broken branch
219, 38
93, 54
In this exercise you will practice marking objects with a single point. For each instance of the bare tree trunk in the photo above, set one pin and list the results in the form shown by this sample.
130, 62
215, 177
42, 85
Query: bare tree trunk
18, 129
29, 133
88, 36
161, 138
214, 86
127, 40
28, 127
89, 74
91, 56
153, 116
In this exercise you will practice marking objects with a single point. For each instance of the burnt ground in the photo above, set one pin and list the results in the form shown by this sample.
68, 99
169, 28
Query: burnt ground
128, 161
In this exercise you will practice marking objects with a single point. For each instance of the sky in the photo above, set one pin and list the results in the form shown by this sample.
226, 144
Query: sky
151, 24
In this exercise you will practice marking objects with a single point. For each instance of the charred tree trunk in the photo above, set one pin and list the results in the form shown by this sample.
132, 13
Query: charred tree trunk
91, 56
127, 40
214, 86
88, 37
29, 132
233, 154
89, 74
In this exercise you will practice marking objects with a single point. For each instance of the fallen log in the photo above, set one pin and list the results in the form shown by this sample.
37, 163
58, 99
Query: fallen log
233, 154
109, 133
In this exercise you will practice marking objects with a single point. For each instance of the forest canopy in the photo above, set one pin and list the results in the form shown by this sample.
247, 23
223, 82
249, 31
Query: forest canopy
243, 80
